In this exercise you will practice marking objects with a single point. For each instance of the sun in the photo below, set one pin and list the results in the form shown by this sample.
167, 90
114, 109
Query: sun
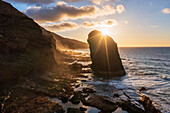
105, 31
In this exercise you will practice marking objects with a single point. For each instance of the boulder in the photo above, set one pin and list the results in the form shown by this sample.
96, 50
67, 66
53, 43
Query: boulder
104, 55
101, 102
149, 107
142, 89
74, 110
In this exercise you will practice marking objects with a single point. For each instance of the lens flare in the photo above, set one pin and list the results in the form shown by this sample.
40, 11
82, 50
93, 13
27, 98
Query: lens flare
105, 31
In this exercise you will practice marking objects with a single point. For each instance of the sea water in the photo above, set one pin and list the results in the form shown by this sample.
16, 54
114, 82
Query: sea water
146, 67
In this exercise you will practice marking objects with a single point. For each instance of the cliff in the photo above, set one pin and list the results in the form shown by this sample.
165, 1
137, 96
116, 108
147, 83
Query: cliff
26, 48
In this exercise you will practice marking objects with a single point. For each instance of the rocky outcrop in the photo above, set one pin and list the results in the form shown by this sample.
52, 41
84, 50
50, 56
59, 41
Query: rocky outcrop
101, 102
149, 107
26, 48
104, 54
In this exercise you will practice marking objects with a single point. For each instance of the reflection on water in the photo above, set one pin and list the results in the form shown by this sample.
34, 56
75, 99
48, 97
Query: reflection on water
145, 67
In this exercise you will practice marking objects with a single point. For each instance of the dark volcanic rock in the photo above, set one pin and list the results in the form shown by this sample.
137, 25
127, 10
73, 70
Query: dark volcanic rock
147, 103
142, 89
129, 107
116, 95
104, 54
88, 90
83, 109
76, 98
101, 102
74, 110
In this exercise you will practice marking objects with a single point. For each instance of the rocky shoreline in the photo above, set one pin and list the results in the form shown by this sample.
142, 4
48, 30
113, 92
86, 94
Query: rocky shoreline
36, 76
64, 92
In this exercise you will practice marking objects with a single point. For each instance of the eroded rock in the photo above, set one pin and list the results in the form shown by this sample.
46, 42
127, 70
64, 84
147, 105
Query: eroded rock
88, 90
147, 103
101, 102
142, 89
74, 110
104, 55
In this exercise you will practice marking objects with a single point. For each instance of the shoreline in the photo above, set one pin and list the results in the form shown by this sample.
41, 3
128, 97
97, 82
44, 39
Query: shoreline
53, 92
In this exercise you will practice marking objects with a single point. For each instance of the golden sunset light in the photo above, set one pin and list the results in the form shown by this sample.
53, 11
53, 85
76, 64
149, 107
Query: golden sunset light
105, 31
84, 56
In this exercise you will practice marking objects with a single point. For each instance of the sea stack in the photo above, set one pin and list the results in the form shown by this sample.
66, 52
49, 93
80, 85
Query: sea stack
104, 55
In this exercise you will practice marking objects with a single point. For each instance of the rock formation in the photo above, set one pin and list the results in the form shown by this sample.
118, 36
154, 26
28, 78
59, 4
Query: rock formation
104, 54
25, 47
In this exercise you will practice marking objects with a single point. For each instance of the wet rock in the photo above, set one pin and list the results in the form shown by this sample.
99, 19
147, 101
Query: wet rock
74, 110
58, 109
86, 71
83, 109
116, 95
147, 103
32, 104
104, 55
82, 76
78, 85
84, 94
101, 102
84, 80
76, 98
88, 90
76, 66
129, 107
142, 89
64, 98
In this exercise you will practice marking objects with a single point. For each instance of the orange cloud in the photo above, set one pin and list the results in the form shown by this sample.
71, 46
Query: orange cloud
99, 2
120, 9
166, 11
106, 23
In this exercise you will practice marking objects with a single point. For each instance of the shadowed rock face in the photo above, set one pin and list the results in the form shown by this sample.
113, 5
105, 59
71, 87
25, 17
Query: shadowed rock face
26, 48
104, 54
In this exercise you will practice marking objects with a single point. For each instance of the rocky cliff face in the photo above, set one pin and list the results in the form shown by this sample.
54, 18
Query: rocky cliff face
25, 47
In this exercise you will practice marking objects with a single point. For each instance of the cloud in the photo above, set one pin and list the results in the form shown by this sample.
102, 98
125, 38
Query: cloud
153, 26
72, 1
106, 23
120, 9
96, 2
166, 11
32, 1
63, 11
99, 2
63, 26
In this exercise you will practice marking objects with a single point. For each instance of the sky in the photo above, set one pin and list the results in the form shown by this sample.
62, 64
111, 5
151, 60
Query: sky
131, 23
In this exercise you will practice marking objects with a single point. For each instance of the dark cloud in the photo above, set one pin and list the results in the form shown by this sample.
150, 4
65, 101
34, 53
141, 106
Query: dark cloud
32, 1
61, 11
64, 26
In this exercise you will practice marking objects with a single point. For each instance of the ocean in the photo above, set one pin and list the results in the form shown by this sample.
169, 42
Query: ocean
147, 67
